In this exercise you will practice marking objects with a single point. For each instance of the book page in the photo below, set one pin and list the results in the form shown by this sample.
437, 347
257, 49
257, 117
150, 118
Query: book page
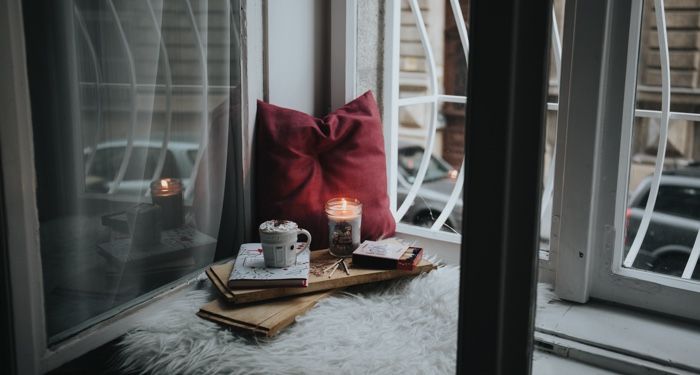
250, 265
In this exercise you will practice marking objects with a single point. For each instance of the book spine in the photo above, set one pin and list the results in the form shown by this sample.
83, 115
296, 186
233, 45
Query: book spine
266, 285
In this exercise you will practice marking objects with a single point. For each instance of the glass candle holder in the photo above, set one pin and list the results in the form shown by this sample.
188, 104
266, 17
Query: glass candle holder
167, 193
344, 220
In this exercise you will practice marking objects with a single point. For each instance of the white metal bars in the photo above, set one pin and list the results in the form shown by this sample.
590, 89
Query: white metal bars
134, 86
168, 95
435, 98
692, 259
133, 114
204, 140
432, 99
663, 133
98, 83
459, 184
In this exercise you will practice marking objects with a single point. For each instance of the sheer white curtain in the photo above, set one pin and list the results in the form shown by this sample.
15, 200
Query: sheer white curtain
143, 92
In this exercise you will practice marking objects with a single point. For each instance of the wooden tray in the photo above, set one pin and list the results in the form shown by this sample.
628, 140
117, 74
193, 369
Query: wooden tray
317, 280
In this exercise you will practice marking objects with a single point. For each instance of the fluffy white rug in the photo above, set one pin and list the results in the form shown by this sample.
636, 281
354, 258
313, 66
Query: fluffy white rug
400, 327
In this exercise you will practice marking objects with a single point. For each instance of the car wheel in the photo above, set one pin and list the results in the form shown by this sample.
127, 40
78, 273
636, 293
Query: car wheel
670, 264
425, 219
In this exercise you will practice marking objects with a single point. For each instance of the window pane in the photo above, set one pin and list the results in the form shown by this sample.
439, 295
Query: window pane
433, 72
432, 77
132, 103
665, 244
551, 125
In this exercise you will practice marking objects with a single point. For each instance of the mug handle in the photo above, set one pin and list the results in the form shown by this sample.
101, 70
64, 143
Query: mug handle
308, 240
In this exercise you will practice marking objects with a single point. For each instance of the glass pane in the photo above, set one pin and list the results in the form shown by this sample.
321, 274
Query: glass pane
442, 32
413, 64
551, 126
132, 104
665, 246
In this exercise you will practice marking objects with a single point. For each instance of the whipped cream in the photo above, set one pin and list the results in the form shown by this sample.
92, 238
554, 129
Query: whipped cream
278, 226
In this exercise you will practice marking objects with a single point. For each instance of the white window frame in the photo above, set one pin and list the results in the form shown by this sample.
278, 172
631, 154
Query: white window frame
596, 112
32, 353
392, 103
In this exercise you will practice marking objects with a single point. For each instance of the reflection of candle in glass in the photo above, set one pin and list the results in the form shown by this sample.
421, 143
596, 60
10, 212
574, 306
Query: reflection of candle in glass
344, 220
167, 193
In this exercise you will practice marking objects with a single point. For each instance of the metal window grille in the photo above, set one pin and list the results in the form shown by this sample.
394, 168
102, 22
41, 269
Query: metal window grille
664, 115
434, 99
100, 84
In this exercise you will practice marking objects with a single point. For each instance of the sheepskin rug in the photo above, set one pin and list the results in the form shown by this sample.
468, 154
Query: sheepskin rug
399, 327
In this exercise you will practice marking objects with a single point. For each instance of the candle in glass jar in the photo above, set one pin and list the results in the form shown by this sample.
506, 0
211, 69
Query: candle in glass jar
167, 193
344, 220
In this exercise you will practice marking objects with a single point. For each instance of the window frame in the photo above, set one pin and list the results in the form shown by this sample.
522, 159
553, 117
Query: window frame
591, 178
392, 44
32, 353
392, 103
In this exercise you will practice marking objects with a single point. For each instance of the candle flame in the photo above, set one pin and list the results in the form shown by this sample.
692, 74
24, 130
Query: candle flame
345, 205
164, 184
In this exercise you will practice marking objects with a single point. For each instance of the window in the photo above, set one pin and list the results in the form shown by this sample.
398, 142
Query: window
625, 224
428, 74
426, 113
155, 92
109, 99
660, 239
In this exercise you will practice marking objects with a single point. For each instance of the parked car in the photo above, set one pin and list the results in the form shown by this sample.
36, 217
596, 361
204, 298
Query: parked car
179, 161
674, 223
435, 191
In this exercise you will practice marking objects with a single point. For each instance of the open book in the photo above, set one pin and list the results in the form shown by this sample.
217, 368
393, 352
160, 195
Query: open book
249, 270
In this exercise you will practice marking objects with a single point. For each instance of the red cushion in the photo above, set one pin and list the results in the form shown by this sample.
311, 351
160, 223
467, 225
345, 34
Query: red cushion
303, 161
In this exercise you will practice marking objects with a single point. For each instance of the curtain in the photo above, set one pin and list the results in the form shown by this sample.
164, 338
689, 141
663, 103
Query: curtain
133, 104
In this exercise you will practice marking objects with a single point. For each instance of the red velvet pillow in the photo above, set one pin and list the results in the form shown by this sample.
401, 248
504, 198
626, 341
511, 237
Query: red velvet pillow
303, 161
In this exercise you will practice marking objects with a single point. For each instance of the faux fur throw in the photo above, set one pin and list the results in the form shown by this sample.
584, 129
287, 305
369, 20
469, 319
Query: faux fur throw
400, 327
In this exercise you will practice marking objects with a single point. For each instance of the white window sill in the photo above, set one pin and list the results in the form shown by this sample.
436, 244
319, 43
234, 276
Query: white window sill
623, 339
445, 251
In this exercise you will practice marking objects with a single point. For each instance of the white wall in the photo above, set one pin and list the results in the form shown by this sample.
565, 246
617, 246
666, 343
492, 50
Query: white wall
298, 55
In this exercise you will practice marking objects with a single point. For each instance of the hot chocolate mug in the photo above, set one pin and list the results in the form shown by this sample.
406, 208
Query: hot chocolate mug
279, 239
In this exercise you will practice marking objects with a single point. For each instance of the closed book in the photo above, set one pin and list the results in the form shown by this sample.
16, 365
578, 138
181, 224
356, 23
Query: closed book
388, 254
267, 318
249, 270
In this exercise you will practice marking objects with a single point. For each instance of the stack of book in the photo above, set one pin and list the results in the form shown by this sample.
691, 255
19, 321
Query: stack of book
263, 301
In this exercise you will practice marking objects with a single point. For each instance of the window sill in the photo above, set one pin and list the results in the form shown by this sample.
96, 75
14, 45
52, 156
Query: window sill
623, 339
117, 325
444, 250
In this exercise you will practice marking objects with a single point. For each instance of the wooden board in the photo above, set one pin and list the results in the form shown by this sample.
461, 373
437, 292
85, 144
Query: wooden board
267, 318
318, 281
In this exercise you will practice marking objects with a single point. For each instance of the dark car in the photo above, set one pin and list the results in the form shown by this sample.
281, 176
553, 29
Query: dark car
674, 223
432, 196
178, 163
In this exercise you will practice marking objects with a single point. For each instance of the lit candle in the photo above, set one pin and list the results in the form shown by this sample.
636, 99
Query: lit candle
167, 193
344, 220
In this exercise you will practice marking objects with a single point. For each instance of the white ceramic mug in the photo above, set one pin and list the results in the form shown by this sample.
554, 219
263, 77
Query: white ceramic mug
279, 238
